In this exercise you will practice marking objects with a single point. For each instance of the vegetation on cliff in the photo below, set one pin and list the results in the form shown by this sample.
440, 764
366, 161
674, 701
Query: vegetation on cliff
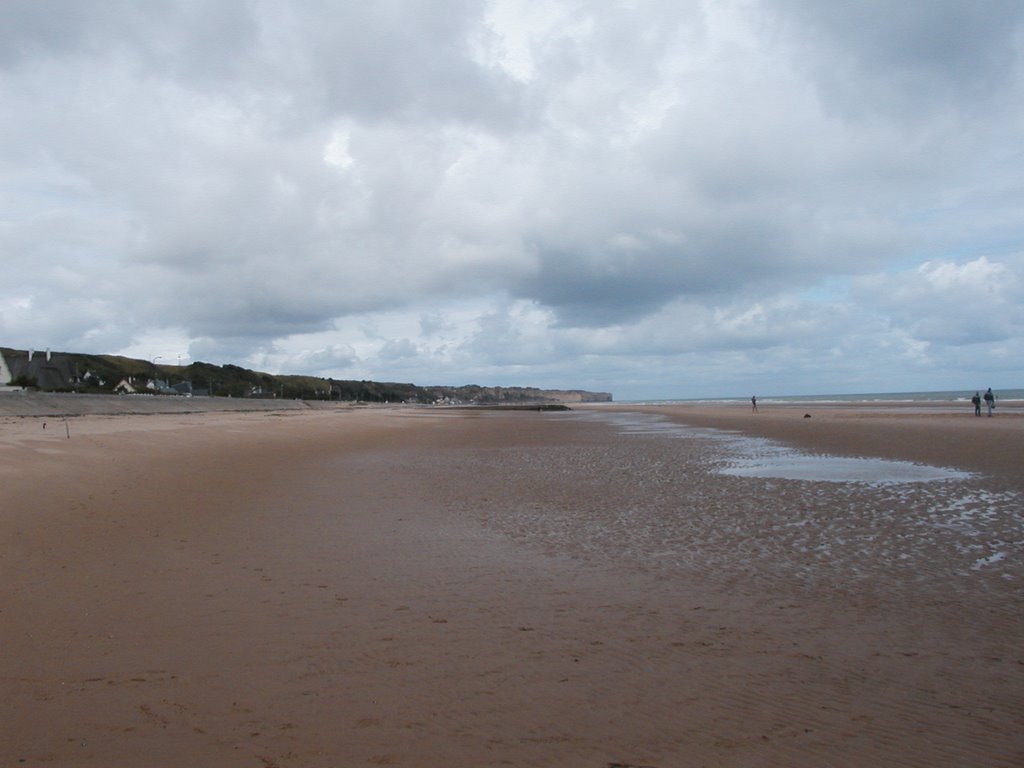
72, 372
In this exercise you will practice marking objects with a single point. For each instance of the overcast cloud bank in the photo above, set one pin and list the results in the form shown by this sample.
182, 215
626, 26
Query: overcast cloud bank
661, 199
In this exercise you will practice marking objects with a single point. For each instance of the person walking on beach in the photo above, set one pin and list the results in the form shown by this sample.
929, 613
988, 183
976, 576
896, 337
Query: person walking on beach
753, 403
977, 403
990, 401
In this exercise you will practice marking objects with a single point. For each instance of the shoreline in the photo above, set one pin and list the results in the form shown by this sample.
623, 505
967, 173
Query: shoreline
912, 433
26, 403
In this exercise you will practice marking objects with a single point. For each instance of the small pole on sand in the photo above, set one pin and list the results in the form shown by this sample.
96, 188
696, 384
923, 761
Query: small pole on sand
67, 429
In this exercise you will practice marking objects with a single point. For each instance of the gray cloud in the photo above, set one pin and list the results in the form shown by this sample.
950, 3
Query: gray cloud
498, 190
909, 58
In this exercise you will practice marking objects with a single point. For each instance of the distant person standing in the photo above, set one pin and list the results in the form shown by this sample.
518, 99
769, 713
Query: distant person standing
977, 403
990, 401
753, 403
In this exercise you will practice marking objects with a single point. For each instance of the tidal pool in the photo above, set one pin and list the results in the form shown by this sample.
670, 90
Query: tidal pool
793, 465
745, 456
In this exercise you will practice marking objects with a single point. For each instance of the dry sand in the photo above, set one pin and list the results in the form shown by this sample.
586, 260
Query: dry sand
429, 588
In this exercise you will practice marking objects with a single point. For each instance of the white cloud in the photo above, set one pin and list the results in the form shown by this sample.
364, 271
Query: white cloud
949, 303
645, 195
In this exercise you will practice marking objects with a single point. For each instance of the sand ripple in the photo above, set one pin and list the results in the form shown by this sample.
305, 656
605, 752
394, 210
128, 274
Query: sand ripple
656, 498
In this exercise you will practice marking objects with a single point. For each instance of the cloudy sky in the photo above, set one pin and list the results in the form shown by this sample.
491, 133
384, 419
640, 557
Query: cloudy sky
657, 198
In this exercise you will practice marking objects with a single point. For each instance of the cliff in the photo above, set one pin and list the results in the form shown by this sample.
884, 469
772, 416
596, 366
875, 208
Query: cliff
68, 372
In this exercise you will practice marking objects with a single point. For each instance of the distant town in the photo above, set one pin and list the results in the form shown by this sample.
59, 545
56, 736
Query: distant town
66, 372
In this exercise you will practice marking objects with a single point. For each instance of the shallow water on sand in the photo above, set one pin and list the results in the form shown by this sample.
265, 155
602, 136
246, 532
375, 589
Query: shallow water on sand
642, 492
759, 457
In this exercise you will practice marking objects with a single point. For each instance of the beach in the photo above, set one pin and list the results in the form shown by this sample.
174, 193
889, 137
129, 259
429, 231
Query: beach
339, 586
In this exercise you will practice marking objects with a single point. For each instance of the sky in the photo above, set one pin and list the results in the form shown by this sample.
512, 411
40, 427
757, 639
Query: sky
653, 198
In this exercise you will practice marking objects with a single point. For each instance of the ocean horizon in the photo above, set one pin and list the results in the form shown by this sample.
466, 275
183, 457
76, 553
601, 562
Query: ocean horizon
874, 398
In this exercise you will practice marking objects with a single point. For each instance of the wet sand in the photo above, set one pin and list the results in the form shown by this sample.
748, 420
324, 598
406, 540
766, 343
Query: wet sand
430, 588
947, 436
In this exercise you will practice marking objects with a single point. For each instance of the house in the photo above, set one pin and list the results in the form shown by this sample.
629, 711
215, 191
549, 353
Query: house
126, 386
5, 372
161, 387
50, 370
92, 379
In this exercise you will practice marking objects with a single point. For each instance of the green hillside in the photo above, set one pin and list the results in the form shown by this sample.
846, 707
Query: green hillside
99, 374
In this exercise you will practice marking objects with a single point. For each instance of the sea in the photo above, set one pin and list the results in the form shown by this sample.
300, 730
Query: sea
940, 397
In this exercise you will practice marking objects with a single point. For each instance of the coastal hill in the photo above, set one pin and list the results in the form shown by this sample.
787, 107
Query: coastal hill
69, 372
